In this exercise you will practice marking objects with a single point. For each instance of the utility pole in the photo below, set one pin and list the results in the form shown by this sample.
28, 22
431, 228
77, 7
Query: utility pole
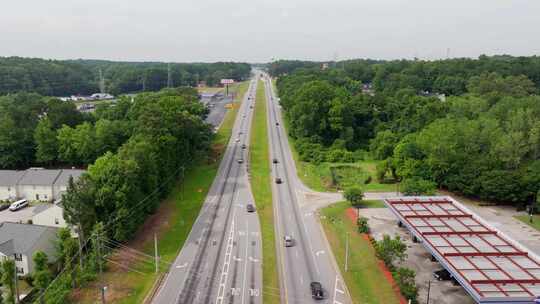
169, 75
103, 289
101, 82
429, 290
156, 252
347, 252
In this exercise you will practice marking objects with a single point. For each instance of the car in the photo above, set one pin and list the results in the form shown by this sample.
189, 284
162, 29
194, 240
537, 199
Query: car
251, 107
316, 290
240, 160
18, 205
275, 161
244, 146
240, 133
442, 275
277, 123
250, 208
289, 242
278, 180
4, 207
238, 140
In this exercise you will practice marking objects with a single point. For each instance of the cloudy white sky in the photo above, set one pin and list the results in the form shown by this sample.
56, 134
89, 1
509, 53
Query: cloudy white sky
259, 30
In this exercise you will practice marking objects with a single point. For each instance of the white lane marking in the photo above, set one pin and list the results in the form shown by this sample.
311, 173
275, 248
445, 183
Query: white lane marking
181, 266
336, 290
245, 264
226, 264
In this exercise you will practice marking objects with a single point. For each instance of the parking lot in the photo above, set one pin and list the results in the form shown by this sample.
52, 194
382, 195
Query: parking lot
382, 221
20, 216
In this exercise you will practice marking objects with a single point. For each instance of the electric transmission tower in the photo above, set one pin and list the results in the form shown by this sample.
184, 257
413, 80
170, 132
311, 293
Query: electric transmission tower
101, 82
169, 76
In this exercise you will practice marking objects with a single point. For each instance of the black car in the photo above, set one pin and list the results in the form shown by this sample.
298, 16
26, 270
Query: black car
275, 161
277, 123
4, 207
244, 146
250, 208
316, 290
278, 180
442, 275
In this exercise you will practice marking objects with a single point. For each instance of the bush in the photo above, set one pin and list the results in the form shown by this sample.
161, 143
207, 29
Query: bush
418, 186
362, 224
368, 180
390, 250
404, 277
354, 195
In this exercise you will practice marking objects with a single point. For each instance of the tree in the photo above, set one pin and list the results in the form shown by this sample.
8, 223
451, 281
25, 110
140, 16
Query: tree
391, 250
354, 195
46, 142
42, 274
79, 205
417, 186
405, 279
8, 279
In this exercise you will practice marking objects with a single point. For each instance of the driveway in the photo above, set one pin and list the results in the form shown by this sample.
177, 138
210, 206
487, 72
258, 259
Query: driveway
21, 216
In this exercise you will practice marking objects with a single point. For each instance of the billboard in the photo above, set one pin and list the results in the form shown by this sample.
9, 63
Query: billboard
227, 81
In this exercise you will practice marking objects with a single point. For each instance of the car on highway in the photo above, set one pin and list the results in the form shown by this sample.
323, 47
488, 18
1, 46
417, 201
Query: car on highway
250, 208
442, 275
316, 290
244, 146
289, 242
240, 160
277, 123
238, 139
278, 180
275, 161
18, 205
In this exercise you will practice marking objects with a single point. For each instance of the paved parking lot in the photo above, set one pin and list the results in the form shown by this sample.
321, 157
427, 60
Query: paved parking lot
382, 221
21, 216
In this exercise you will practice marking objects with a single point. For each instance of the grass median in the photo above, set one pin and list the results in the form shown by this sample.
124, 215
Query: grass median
131, 282
262, 191
364, 279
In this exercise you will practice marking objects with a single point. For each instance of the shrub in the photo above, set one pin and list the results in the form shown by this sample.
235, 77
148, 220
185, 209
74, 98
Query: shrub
354, 195
404, 277
390, 250
362, 224
368, 180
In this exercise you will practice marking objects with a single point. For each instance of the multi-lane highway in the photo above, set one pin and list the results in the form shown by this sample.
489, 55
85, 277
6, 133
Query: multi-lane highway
220, 261
310, 258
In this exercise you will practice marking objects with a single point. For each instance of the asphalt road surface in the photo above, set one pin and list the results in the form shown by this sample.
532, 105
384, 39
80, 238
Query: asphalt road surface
310, 259
218, 110
220, 261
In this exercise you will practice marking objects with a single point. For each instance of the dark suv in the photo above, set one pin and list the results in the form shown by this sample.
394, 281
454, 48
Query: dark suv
316, 290
442, 275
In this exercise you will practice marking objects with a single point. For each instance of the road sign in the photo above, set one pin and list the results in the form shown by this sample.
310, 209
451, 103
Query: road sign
227, 81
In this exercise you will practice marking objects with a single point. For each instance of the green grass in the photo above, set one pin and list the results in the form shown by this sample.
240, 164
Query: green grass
180, 210
262, 192
525, 219
364, 279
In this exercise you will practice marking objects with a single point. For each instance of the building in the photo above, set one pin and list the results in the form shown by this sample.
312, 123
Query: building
51, 215
21, 241
36, 184
9, 180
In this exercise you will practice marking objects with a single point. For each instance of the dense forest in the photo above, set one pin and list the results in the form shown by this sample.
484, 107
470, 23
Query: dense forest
481, 140
72, 77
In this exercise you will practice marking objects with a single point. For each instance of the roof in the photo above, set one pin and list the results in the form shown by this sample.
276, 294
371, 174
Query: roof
41, 207
10, 177
39, 177
21, 238
488, 264
63, 178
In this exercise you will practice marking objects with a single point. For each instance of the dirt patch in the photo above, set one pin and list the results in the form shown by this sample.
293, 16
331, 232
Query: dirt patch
352, 214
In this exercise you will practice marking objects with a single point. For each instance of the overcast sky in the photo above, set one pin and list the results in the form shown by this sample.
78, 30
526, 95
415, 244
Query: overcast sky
259, 30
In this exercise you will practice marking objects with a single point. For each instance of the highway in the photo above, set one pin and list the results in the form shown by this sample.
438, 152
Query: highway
220, 261
295, 215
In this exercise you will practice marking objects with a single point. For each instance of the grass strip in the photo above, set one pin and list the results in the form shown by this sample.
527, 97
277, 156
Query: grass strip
262, 191
364, 279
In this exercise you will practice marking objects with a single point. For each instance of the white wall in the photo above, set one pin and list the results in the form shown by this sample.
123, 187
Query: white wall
49, 217
29, 192
8, 192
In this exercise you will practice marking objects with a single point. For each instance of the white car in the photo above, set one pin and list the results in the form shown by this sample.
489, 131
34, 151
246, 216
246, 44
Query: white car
18, 205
